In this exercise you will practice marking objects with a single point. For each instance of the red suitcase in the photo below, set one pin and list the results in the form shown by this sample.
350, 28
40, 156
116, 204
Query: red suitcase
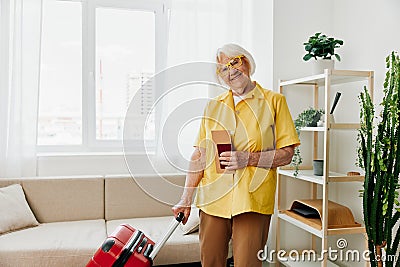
129, 247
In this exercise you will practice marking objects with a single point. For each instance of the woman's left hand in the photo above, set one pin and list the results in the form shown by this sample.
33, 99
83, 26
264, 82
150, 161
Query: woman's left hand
234, 160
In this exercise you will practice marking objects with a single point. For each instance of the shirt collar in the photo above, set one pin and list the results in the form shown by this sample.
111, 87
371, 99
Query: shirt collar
256, 92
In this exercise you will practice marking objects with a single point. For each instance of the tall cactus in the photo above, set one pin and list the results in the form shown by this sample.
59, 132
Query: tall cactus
379, 156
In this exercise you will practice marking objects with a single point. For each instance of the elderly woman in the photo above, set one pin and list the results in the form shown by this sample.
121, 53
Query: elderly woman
238, 203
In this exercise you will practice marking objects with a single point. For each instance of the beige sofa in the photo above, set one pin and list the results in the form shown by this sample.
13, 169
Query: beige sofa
77, 213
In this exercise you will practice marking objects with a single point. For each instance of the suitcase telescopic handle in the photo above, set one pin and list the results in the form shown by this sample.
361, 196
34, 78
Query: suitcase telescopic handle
180, 217
164, 239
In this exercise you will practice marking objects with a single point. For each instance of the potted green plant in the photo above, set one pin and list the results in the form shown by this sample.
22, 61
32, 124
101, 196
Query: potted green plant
379, 156
307, 118
320, 46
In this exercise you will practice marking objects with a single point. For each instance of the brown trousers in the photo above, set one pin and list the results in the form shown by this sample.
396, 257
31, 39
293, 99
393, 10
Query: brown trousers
249, 233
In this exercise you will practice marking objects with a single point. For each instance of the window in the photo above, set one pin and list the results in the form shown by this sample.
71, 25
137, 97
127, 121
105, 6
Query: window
125, 60
96, 55
60, 98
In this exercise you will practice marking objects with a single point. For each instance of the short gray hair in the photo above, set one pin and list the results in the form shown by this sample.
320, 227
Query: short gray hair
233, 50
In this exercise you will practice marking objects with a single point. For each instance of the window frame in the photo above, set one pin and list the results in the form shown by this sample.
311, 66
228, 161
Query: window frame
89, 142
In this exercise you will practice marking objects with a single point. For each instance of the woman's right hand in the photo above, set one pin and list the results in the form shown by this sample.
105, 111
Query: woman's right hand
182, 206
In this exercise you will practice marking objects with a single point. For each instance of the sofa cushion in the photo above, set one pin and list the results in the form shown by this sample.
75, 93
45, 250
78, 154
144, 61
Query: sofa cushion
63, 198
15, 211
143, 196
179, 248
53, 244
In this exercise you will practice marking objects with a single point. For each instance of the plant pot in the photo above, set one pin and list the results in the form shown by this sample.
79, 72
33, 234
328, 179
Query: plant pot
318, 167
320, 65
315, 120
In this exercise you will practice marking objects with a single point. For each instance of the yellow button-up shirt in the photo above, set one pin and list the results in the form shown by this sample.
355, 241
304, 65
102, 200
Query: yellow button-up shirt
259, 122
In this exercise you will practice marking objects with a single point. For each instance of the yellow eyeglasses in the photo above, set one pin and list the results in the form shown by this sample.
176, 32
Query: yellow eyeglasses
234, 63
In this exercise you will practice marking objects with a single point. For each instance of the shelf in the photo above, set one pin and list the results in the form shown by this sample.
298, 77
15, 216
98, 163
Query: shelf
313, 225
346, 178
337, 77
333, 126
287, 216
347, 231
291, 263
307, 175
345, 126
309, 80
312, 129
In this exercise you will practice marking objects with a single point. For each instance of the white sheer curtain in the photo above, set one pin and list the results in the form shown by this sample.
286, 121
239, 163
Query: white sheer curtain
19, 86
196, 29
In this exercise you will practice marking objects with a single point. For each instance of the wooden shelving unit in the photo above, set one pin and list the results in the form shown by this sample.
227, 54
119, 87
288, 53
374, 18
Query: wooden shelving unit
320, 228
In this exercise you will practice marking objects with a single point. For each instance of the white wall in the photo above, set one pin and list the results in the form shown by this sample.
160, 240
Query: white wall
294, 22
369, 30
81, 165
262, 45
367, 27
